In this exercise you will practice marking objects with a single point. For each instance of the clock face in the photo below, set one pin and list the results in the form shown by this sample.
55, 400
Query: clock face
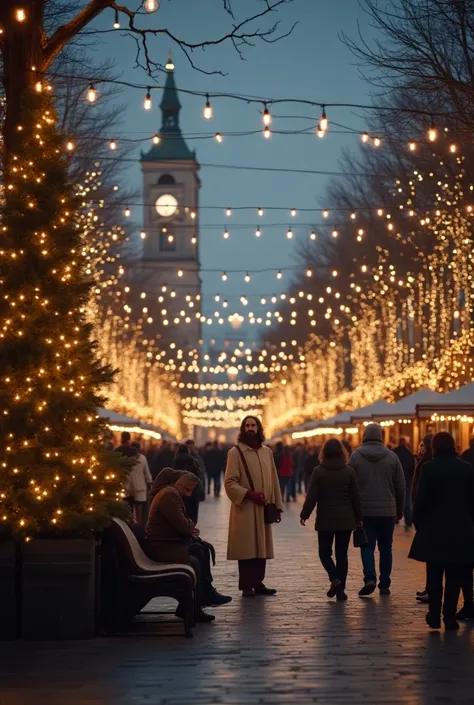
166, 205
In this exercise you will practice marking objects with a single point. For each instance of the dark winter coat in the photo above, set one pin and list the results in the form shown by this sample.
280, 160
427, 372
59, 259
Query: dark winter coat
334, 489
188, 463
169, 530
443, 512
407, 460
468, 456
381, 479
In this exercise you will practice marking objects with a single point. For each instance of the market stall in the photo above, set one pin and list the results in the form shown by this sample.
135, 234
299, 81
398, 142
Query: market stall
453, 412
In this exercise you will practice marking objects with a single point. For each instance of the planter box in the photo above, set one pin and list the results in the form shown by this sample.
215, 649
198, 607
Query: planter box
59, 588
9, 590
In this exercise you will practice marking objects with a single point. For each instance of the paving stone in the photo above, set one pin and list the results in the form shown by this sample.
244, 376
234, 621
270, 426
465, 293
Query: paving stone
298, 647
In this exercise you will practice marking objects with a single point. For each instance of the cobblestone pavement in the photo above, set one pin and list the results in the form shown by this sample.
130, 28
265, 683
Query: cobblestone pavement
296, 647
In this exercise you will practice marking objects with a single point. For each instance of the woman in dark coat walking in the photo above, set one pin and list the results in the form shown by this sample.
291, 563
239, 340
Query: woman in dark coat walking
443, 514
334, 489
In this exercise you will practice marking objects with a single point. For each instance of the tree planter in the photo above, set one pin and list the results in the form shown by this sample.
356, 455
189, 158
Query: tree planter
9, 590
59, 585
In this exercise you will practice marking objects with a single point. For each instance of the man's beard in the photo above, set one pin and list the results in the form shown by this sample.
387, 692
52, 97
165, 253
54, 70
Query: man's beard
250, 438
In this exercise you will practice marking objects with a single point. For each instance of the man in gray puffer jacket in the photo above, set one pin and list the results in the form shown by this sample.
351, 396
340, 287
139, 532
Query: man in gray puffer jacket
382, 486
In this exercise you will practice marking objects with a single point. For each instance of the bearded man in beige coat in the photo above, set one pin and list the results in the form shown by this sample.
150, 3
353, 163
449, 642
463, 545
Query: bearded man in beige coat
250, 538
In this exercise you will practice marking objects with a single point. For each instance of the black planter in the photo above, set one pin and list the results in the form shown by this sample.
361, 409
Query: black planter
9, 590
59, 589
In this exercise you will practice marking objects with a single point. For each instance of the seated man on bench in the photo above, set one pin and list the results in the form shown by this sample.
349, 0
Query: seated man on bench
169, 534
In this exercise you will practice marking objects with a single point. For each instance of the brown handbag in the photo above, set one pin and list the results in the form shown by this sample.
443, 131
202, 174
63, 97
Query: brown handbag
270, 511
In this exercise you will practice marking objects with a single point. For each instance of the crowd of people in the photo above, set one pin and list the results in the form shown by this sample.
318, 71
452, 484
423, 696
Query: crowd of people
361, 493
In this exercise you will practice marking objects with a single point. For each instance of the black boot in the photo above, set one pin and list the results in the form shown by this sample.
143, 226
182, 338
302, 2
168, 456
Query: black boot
262, 590
212, 598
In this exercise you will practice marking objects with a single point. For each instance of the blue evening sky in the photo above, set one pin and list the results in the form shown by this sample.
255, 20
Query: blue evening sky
311, 64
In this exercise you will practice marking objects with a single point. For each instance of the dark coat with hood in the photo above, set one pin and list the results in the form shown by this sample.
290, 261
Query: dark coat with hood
334, 489
380, 476
443, 512
169, 530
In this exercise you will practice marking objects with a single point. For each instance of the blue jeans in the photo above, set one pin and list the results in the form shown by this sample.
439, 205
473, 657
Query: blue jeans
379, 532
285, 485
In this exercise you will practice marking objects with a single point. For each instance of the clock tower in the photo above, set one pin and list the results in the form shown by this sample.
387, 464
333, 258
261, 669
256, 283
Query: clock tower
170, 256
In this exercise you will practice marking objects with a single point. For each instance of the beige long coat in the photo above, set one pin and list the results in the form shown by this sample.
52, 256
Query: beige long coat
249, 536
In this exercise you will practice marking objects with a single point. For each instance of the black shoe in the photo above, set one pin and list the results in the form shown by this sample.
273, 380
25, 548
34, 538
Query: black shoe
367, 590
422, 593
335, 585
451, 625
341, 596
214, 599
248, 593
423, 599
432, 621
202, 617
262, 590
466, 612
384, 591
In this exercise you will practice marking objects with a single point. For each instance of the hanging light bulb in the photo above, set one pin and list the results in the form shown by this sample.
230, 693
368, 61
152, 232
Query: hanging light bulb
225, 303
260, 211
116, 20
432, 132
143, 235
91, 94
323, 123
226, 234
224, 276
293, 212
156, 139
267, 132
289, 234
258, 232
147, 101
219, 137
309, 272
113, 145
377, 141
180, 272
412, 146
320, 132
150, 5
127, 212
20, 14
207, 112
247, 277
364, 137
217, 297
313, 235
279, 274
170, 238
266, 117
453, 149
194, 240
325, 213
335, 233
228, 211
70, 146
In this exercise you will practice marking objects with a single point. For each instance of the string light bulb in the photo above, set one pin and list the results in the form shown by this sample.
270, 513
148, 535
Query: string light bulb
293, 212
289, 234
91, 94
377, 141
228, 211
207, 108
266, 116
226, 234
365, 137
309, 272
156, 139
335, 233
193, 240
260, 211
20, 14
113, 145
323, 123
279, 274
70, 146
258, 232
219, 137
320, 132
116, 20
247, 277
147, 101
150, 5
267, 132
453, 148
312, 235
224, 276
432, 132
127, 212
412, 146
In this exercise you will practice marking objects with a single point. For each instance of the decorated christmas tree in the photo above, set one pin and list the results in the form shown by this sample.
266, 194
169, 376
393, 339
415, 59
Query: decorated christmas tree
56, 476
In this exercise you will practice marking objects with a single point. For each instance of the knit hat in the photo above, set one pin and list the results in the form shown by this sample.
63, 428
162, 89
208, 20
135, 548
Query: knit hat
373, 432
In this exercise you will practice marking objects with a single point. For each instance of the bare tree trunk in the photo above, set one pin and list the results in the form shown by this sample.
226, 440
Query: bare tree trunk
21, 45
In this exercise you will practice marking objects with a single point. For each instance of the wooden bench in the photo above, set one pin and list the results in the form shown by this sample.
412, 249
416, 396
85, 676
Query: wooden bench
130, 580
